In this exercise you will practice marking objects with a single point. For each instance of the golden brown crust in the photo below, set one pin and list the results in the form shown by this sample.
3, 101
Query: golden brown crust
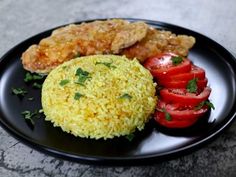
158, 41
135, 40
98, 37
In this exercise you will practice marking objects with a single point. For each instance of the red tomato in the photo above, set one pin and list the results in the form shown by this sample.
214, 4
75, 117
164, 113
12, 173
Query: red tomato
177, 107
196, 72
180, 117
180, 112
183, 83
183, 97
173, 124
161, 65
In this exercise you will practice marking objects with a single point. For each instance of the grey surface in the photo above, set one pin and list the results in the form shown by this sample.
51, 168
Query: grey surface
22, 19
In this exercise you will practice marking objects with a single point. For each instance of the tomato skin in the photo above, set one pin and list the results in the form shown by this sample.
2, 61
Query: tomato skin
196, 72
180, 112
201, 84
175, 102
181, 117
182, 97
161, 65
160, 118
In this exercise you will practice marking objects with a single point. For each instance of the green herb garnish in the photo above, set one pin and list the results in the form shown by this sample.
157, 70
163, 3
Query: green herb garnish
107, 64
200, 105
167, 115
78, 96
192, 86
81, 72
37, 85
203, 103
31, 115
81, 80
32, 77
176, 60
64, 82
19, 91
41, 111
130, 137
209, 104
30, 98
125, 96
82, 76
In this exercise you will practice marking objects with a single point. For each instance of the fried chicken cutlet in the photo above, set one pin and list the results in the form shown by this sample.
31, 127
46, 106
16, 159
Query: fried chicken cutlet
135, 40
159, 41
65, 43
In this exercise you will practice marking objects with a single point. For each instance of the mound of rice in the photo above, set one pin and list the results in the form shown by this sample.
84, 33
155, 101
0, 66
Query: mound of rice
100, 96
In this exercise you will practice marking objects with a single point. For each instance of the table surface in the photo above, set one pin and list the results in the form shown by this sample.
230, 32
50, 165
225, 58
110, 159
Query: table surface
213, 18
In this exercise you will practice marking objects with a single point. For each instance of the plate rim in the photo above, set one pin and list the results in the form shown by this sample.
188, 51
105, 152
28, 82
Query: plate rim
121, 160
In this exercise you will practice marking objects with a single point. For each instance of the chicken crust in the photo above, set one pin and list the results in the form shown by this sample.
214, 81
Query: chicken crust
65, 43
159, 41
116, 36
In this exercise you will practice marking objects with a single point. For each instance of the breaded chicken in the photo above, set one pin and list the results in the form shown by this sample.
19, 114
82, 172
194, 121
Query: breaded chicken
159, 41
135, 40
98, 37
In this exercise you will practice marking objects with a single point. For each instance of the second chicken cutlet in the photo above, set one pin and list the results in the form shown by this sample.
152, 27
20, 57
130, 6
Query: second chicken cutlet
159, 41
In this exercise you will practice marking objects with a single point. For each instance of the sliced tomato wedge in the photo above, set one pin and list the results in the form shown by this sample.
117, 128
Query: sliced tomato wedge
160, 118
195, 72
180, 112
183, 83
162, 65
183, 97
178, 116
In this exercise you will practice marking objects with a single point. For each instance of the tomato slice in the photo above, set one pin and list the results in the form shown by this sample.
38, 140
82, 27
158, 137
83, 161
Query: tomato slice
179, 116
180, 112
162, 65
183, 97
196, 72
160, 118
183, 83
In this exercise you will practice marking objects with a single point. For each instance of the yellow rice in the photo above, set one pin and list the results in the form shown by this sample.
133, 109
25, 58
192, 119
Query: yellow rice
103, 110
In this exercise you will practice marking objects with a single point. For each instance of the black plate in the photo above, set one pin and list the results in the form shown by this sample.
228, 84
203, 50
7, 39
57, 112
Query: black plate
151, 145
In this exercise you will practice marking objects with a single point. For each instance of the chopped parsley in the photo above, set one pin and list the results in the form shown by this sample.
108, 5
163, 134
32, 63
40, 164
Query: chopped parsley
30, 116
19, 91
81, 72
82, 76
167, 115
176, 60
192, 86
125, 96
32, 77
29, 77
37, 85
209, 104
107, 64
64, 82
30, 98
78, 96
81, 80
41, 111
203, 103
130, 137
